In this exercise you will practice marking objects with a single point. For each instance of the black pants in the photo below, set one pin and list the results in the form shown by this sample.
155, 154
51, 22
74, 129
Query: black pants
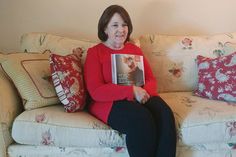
149, 128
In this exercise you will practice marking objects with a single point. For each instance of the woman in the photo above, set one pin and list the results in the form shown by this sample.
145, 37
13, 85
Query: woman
148, 123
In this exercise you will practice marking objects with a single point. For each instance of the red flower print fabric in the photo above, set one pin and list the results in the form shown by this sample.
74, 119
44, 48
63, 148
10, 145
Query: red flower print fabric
68, 81
217, 77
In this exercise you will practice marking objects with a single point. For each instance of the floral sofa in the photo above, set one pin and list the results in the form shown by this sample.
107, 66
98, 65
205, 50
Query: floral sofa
35, 124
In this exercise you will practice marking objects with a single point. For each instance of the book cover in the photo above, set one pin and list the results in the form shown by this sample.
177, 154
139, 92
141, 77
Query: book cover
127, 69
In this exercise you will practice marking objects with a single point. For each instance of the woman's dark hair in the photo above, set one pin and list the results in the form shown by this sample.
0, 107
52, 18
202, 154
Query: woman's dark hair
106, 17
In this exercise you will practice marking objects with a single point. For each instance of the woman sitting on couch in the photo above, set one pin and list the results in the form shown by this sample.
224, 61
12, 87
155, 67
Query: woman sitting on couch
136, 111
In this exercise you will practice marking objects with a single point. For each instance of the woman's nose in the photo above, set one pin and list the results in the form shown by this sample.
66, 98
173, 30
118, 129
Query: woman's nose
121, 28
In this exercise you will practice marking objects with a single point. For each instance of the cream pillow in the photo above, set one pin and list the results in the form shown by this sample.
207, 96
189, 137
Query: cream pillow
30, 72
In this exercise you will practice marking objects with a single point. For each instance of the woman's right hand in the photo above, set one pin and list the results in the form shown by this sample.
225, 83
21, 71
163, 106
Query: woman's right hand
140, 94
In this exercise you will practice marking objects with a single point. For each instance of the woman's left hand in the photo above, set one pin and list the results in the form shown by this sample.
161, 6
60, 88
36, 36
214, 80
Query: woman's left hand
141, 95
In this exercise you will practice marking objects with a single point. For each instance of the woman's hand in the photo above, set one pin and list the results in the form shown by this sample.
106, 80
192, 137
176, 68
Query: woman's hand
140, 94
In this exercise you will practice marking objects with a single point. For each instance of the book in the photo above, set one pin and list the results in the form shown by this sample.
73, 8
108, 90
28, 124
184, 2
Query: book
127, 69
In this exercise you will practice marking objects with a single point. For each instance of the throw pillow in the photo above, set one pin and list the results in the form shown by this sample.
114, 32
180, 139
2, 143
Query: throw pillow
30, 73
217, 77
68, 80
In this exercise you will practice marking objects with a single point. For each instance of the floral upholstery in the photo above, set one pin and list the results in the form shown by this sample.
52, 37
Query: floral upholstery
196, 120
206, 128
17, 150
172, 58
39, 42
44, 151
45, 126
202, 120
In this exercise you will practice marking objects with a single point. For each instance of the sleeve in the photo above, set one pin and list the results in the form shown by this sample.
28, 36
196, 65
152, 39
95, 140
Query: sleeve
150, 81
96, 86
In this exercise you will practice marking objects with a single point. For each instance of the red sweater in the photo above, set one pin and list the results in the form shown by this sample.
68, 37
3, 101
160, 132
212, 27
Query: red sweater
97, 73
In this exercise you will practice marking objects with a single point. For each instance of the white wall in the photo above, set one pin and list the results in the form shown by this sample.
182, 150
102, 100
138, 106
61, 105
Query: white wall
79, 18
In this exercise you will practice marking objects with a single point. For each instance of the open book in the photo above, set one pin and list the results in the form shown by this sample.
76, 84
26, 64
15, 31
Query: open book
127, 69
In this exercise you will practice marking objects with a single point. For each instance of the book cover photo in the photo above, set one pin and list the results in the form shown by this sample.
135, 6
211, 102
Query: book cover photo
127, 69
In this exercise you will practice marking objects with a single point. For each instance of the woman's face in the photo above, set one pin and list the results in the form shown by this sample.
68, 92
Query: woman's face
117, 31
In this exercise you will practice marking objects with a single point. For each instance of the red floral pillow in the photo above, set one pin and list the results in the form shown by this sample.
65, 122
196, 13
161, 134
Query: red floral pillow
68, 81
217, 77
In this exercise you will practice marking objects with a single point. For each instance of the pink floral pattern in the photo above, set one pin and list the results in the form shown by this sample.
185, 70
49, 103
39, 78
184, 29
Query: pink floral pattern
40, 118
231, 127
217, 77
187, 43
68, 80
177, 70
47, 138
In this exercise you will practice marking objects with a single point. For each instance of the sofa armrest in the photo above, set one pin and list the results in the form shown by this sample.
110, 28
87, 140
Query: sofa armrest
10, 107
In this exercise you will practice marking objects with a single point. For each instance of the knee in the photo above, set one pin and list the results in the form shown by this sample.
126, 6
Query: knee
142, 120
161, 102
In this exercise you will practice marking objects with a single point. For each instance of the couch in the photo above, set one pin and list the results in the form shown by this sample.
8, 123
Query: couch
35, 124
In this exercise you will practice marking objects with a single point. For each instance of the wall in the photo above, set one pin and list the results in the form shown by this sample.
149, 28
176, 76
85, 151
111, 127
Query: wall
78, 18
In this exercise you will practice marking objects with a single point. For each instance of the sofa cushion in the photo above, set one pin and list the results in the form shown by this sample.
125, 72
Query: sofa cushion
52, 126
17, 150
39, 42
202, 120
68, 81
217, 77
30, 73
172, 58
199, 121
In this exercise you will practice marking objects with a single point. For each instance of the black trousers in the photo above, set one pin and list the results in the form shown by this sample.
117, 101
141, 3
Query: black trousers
149, 128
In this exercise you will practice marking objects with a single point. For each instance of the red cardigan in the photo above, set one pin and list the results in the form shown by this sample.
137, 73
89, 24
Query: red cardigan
98, 79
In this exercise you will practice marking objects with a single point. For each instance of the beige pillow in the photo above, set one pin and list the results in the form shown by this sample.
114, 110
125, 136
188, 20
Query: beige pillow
31, 75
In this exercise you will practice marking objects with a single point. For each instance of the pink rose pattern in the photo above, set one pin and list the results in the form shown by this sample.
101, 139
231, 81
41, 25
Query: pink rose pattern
40, 118
217, 78
176, 70
187, 43
47, 138
231, 127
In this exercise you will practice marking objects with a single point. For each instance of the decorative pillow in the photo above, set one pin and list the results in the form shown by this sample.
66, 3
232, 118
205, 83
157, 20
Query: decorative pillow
30, 73
217, 77
68, 81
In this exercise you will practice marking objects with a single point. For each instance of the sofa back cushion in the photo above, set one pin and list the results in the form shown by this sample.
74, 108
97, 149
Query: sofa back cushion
172, 58
39, 42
